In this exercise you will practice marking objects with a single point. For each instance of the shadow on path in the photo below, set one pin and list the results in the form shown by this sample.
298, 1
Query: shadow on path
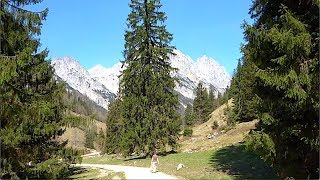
235, 160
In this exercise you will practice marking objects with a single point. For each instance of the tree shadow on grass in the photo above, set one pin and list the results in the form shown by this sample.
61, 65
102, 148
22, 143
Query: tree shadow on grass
235, 160
75, 171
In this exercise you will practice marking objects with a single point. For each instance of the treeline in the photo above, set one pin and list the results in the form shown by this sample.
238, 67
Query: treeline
277, 82
81, 104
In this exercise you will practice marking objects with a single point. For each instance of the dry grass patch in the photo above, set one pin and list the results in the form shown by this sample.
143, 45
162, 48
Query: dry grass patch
76, 135
75, 138
199, 140
234, 136
217, 115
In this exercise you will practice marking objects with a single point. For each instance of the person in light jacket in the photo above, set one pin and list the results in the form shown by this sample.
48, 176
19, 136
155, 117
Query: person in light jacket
154, 163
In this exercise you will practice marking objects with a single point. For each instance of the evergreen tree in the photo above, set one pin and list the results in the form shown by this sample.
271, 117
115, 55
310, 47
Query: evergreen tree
100, 140
188, 115
223, 97
31, 108
114, 125
235, 85
200, 104
243, 92
149, 120
211, 100
91, 136
219, 99
283, 44
207, 105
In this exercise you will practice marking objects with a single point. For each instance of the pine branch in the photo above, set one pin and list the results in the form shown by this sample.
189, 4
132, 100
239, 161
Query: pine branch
21, 9
9, 57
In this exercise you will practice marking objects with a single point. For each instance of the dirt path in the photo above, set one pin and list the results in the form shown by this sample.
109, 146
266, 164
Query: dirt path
130, 171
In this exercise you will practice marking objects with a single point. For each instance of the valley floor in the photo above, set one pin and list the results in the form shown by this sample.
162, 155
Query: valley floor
220, 156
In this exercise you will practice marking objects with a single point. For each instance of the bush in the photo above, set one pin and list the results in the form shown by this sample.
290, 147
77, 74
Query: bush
215, 125
52, 168
187, 131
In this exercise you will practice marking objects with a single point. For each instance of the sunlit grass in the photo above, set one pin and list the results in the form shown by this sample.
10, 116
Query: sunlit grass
231, 162
104, 159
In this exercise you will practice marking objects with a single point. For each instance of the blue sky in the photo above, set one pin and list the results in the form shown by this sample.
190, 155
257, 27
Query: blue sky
93, 31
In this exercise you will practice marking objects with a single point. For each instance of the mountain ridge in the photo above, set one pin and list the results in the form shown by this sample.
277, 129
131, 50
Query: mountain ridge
100, 84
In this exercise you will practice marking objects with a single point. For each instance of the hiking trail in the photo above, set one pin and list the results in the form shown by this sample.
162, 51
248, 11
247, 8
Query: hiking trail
131, 172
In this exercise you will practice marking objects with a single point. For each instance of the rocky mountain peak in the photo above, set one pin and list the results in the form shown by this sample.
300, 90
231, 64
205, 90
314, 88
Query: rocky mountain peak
70, 71
101, 84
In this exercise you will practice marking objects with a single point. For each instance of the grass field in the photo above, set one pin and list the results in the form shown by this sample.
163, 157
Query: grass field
231, 162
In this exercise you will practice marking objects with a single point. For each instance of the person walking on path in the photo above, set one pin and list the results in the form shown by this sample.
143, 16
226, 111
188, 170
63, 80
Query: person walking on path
154, 163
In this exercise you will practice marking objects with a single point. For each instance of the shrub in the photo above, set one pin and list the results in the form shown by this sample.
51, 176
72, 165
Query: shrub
187, 131
215, 125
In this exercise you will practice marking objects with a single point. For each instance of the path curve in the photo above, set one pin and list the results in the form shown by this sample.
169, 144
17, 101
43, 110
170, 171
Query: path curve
131, 172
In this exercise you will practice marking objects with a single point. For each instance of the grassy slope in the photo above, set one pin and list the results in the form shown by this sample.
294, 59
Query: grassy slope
223, 157
75, 137
199, 140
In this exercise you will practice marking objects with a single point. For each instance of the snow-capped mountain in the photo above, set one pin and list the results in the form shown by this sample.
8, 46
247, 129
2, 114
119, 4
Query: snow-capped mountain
205, 70
70, 71
109, 77
101, 84
189, 74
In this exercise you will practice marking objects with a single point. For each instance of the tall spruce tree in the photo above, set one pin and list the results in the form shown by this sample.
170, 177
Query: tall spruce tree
114, 125
211, 100
31, 106
283, 44
200, 104
234, 85
188, 115
149, 118
243, 93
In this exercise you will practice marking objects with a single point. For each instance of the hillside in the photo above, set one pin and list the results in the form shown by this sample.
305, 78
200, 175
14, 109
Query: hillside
199, 140
205, 138
76, 135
